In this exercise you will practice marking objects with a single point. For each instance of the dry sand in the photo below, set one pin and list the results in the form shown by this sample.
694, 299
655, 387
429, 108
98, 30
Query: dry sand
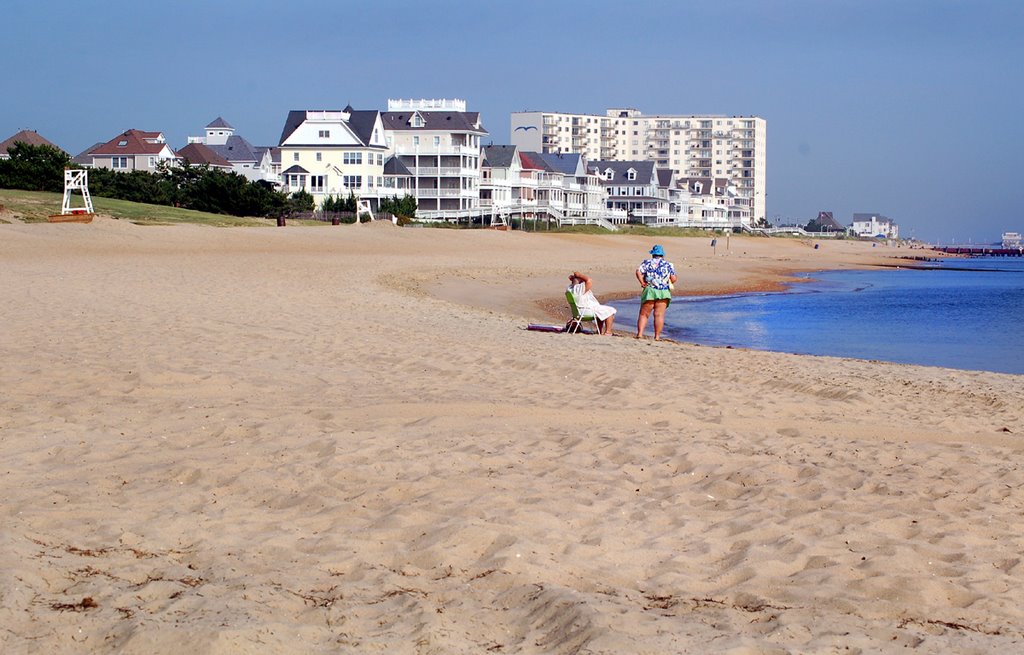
342, 440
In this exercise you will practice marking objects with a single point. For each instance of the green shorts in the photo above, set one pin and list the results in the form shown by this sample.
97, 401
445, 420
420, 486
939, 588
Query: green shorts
650, 293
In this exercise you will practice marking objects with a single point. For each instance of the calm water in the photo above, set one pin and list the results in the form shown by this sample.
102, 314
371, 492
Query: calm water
945, 316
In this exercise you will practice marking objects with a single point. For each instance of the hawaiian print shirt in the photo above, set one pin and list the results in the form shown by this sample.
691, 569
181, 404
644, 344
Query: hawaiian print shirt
656, 272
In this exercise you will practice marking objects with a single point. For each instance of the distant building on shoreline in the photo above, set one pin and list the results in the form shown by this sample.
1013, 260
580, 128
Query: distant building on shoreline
874, 225
729, 148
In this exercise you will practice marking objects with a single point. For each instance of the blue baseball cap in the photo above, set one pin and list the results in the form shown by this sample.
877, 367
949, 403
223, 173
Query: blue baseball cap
658, 250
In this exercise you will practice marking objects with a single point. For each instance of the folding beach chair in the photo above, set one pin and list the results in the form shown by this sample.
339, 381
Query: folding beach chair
575, 324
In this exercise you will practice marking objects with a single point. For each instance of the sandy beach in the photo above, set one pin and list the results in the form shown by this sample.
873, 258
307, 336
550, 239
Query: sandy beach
344, 440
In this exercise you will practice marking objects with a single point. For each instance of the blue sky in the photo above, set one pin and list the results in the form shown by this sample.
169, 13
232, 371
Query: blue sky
910, 108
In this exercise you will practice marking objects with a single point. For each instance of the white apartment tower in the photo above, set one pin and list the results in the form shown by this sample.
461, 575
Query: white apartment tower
694, 147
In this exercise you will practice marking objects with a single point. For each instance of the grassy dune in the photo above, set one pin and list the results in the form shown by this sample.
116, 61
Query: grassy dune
37, 206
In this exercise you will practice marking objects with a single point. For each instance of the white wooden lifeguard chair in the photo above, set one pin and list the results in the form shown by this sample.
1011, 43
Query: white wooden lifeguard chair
363, 207
75, 180
499, 220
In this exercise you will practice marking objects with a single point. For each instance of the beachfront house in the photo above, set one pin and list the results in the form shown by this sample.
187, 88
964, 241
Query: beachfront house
500, 186
132, 150
633, 187
28, 137
545, 186
584, 198
269, 163
334, 153
711, 203
874, 225
438, 142
245, 158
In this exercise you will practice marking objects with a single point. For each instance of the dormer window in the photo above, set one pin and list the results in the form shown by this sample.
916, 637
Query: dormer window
697, 187
631, 174
325, 134
416, 121
609, 174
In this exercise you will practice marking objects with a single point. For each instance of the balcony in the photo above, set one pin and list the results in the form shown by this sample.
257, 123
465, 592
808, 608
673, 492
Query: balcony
432, 171
442, 149
447, 193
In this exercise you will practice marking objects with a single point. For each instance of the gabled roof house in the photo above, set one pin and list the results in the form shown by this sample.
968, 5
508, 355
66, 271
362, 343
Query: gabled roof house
132, 150
331, 152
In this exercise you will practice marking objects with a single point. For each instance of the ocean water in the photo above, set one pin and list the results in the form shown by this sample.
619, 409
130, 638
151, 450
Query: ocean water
959, 313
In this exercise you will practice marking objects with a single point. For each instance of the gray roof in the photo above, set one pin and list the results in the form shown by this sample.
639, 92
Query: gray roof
562, 162
220, 122
394, 166
499, 156
452, 121
294, 169
295, 118
826, 221
84, 158
361, 123
236, 149
665, 176
644, 170
708, 185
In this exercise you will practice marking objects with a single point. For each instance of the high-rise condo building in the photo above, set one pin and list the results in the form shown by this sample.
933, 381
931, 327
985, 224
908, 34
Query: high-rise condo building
730, 148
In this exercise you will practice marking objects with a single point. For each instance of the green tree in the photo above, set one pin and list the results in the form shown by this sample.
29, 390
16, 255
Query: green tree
404, 207
301, 201
34, 168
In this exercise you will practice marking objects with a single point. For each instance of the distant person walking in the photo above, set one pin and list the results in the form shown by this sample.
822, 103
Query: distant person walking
656, 277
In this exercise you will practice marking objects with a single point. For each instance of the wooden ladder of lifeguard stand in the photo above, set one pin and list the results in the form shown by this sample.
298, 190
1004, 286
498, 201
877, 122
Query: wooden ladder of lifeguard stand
75, 179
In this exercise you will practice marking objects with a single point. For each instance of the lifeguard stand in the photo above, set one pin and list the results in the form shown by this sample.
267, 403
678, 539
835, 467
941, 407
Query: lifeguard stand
363, 207
75, 179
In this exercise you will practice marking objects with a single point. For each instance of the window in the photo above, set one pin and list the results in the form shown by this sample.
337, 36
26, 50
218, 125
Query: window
152, 162
119, 162
417, 121
317, 183
609, 174
369, 181
631, 174
437, 141
415, 140
295, 156
352, 181
319, 156
122, 144
352, 158
325, 134
380, 159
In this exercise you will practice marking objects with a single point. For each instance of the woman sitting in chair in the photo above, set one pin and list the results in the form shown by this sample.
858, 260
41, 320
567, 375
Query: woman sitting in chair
580, 286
